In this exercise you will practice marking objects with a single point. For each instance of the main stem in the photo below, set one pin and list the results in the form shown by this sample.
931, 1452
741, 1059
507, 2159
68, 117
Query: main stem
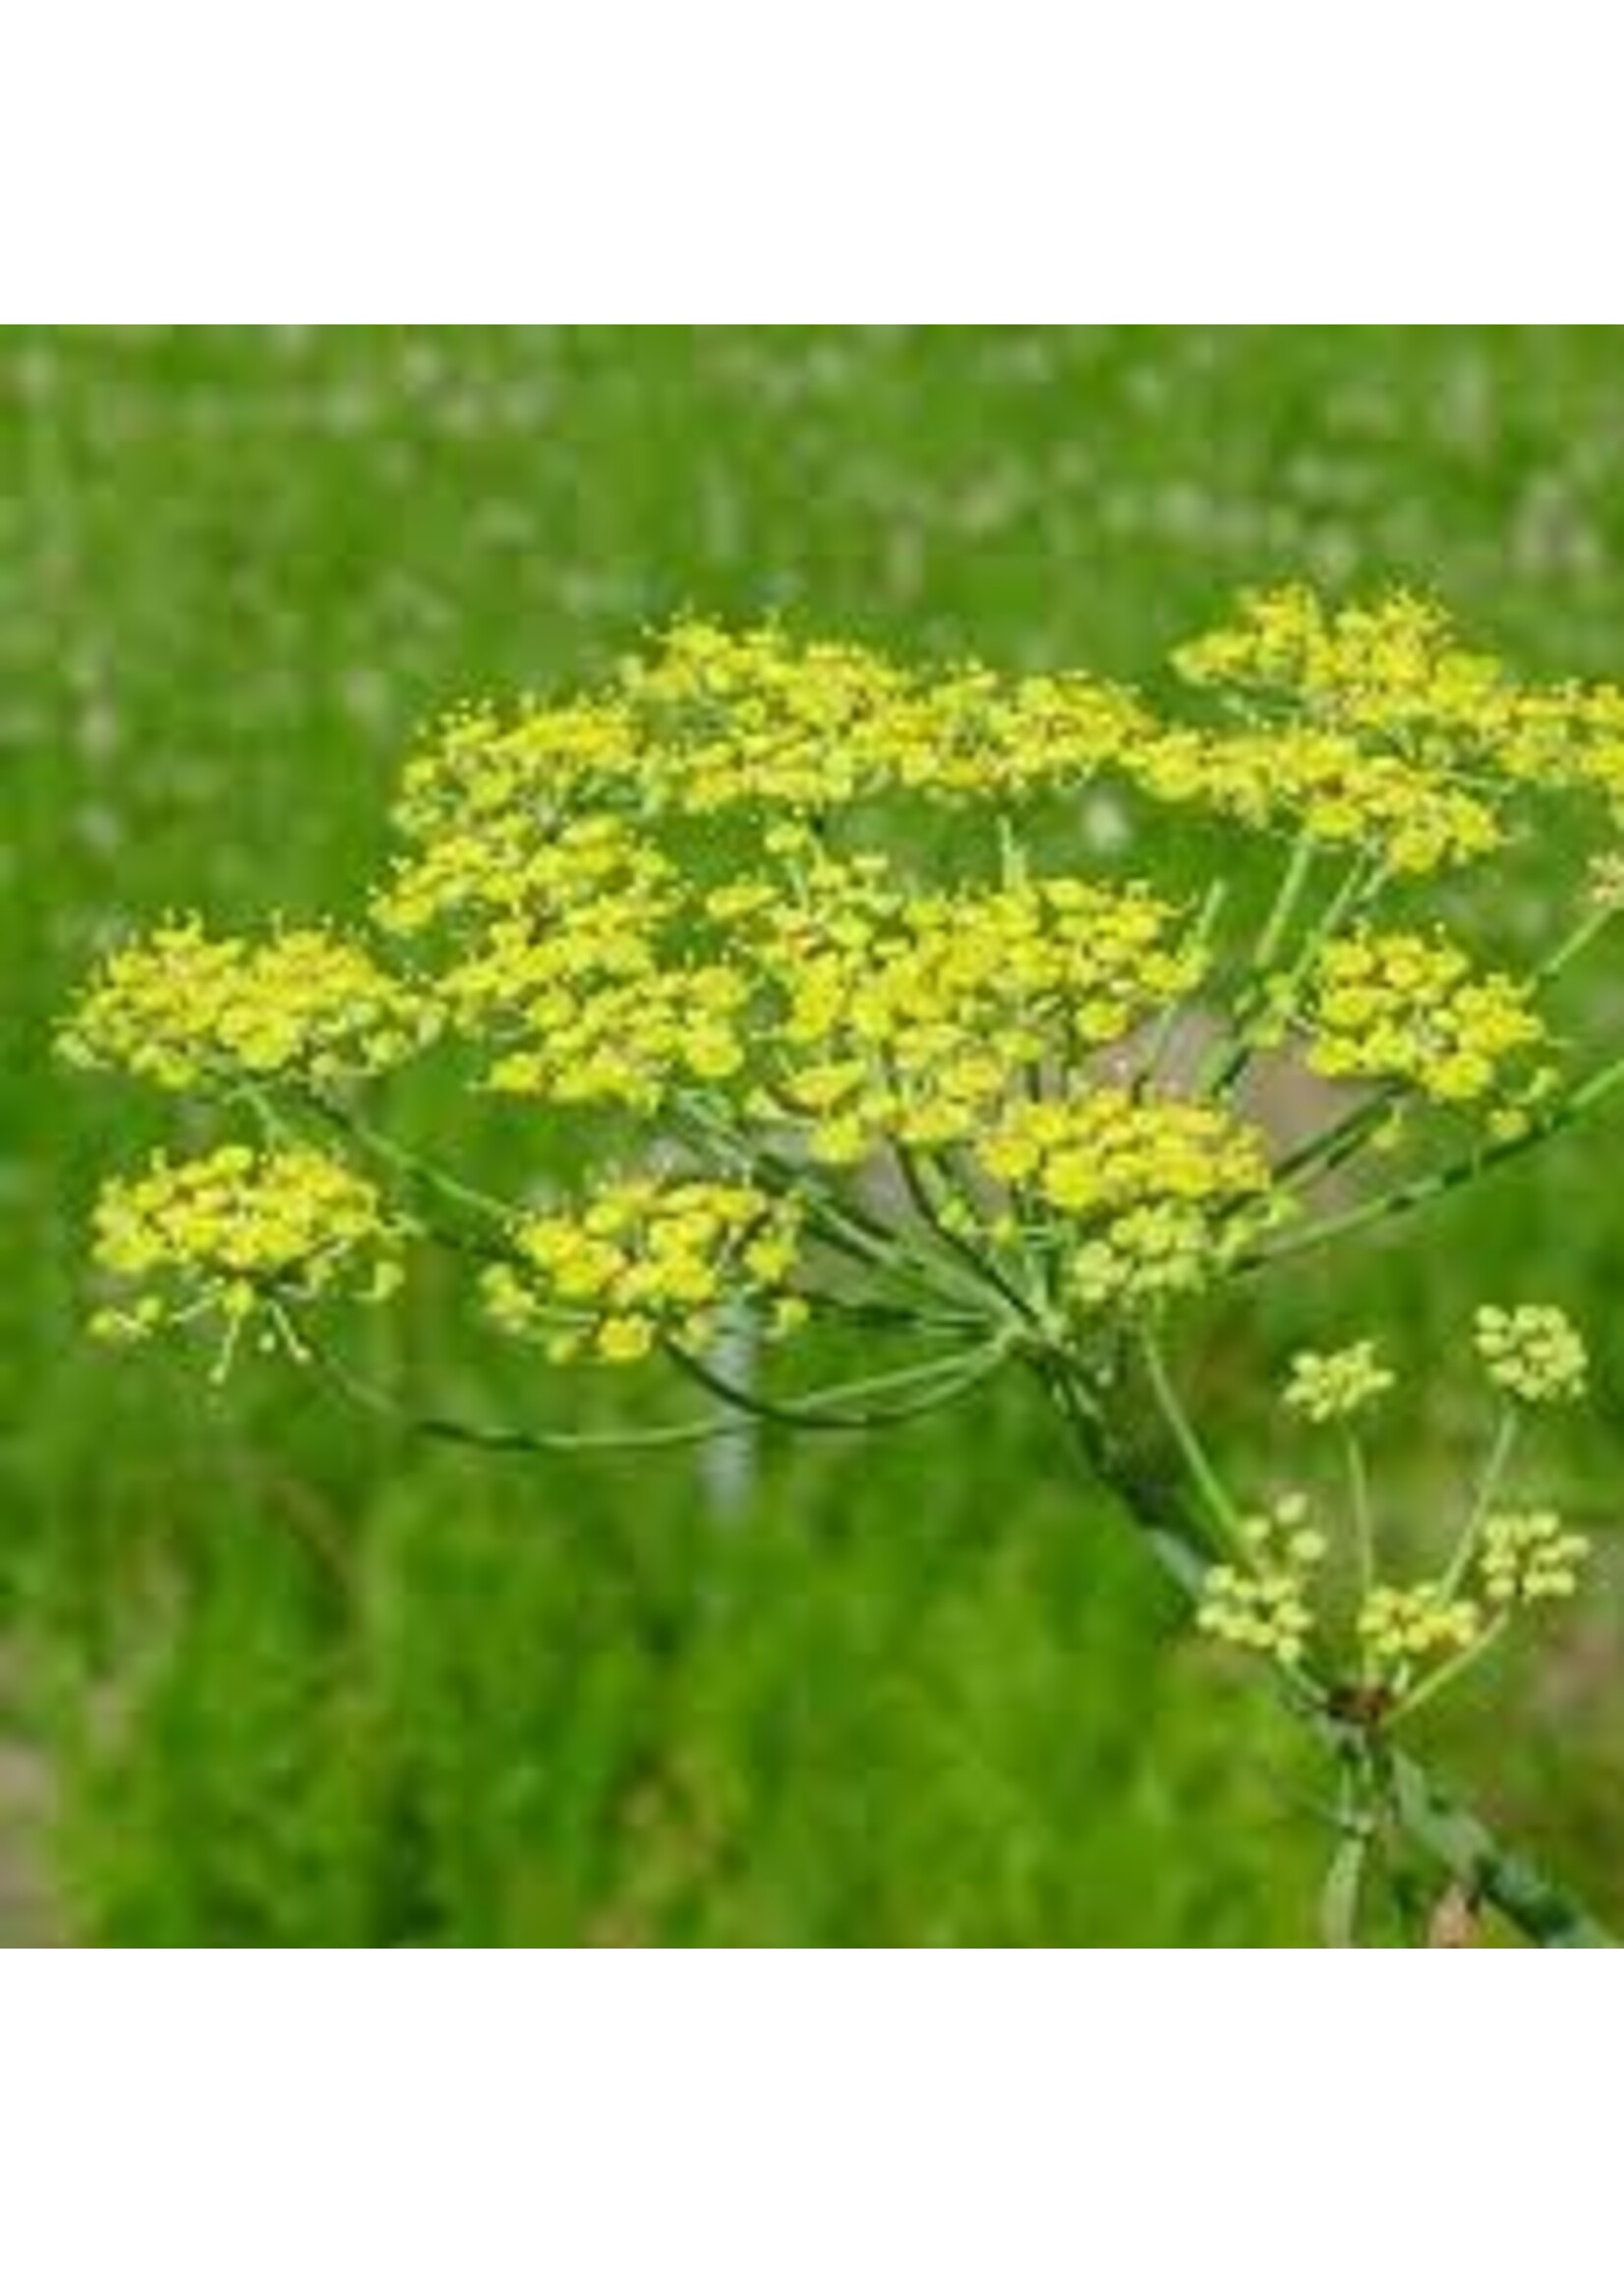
1487, 1872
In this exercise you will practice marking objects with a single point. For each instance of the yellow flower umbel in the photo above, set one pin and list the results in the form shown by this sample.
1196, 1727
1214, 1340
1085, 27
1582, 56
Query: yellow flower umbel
1534, 1353
814, 921
1400, 1642
241, 1232
1402, 1628
1402, 1008
1151, 1197
645, 1263
1262, 1604
885, 1015
1530, 1556
1334, 1385
182, 1010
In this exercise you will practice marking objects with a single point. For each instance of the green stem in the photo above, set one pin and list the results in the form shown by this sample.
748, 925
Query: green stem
819, 1410
1463, 1169
952, 1378
1442, 1675
1589, 929
1159, 1517
1205, 1478
1489, 1484
371, 1398
1454, 1838
892, 1318
408, 1163
1170, 1019
1318, 1155
840, 1222
1293, 884
1339, 1901
913, 1176
1359, 1500
1358, 885
1485, 1871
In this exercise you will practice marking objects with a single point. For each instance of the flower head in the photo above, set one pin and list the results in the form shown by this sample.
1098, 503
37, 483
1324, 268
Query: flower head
1262, 1605
1410, 1008
1530, 1556
1334, 1385
182, 1009
1155, 1195
645, 1261
1534, 1351
240, 1232
1402, 1627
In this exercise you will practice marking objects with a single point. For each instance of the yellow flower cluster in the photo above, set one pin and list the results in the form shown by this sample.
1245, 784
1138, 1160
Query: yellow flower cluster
1534, 1351
486, 866
237, 1231
551, 761
646, 1262
758, 718
181, 1009
1324, 783
1394, 674
1164, 1190
663, 899
1394, 663
1530, 1556
740, 717
1411, 1639
1402, 1627
559, 973
605, 1041
1335, 1384
712, 719
1262, 1606
913, 1017
1407, 1007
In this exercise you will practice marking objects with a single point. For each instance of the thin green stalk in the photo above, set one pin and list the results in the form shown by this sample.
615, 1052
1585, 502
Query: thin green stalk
1443, 1674
371, 1398
890, 1318
1494, 1468
1205, 1478
840, 1223
408, 1163
1318, 1155
1358, 1501
1359, 885
913, 1178
952, 1378
1344, 1884
1168, 1021
817, 1410
1293, 884
1588, 929
1463, 1169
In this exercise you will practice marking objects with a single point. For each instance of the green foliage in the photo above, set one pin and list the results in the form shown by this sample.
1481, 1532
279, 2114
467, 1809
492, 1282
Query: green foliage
812, 1726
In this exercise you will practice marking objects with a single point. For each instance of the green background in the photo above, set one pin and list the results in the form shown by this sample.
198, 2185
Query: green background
269, 1675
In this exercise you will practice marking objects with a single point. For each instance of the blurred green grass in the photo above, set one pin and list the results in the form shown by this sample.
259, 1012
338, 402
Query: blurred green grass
301, 1683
